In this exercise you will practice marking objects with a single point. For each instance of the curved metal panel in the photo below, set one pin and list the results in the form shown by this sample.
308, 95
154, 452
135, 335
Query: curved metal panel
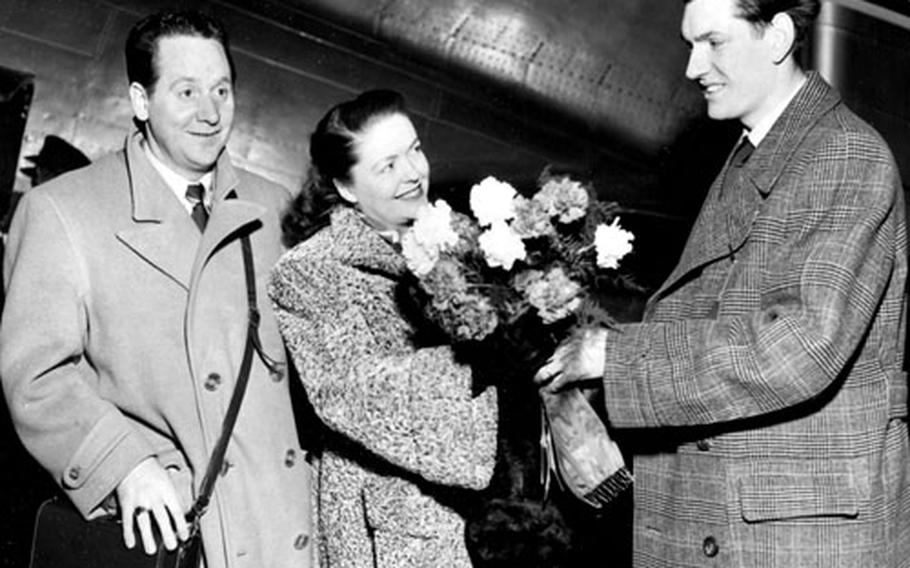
862, 49
616, 65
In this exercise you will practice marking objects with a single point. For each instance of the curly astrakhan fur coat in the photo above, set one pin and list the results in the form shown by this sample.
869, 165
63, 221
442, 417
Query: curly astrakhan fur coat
406, 426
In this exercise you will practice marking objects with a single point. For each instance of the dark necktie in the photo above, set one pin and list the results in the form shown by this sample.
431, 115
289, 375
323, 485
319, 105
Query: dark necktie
194, 194
742, 153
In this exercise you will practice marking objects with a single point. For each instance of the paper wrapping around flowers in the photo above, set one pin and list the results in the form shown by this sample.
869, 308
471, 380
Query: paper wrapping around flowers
589, 462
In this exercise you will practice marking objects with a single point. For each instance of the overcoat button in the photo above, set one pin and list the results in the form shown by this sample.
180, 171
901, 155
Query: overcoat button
703, 445
212, 382
710, 547
277, 373
74, 473
301, 541
290, 458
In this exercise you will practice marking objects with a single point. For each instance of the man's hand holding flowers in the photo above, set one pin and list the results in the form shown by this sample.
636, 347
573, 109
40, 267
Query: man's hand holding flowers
579, 358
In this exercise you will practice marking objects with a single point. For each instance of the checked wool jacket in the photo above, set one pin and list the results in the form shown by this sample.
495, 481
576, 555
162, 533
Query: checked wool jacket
765, 383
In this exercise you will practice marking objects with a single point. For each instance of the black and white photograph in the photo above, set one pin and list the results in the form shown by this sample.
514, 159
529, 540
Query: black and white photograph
454, 283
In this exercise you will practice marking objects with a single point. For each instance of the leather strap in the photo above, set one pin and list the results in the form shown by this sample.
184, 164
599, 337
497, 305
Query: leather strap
253, 344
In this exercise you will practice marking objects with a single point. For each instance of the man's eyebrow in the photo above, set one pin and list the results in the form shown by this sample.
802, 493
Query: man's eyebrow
705, 36
197, 81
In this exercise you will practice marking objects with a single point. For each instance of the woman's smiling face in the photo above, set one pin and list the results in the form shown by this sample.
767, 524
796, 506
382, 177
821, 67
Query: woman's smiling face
389, 182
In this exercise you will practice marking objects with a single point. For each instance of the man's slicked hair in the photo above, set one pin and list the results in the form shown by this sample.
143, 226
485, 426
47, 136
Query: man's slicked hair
759, 13
142, 42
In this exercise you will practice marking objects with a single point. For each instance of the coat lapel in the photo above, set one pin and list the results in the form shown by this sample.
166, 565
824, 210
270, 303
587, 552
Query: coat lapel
164, 234
707, 240
357, 244
813, 101
161, 230
724, 223
229, 213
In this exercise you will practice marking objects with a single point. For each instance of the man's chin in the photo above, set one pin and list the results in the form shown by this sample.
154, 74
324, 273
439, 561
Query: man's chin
205, 161
718, 112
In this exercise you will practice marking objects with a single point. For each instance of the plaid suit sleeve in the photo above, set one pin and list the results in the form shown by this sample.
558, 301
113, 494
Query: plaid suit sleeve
817, 266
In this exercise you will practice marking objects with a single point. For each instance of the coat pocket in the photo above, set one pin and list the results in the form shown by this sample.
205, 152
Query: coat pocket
778, 496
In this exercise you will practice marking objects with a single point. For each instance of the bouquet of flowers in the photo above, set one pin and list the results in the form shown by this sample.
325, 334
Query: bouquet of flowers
527, 272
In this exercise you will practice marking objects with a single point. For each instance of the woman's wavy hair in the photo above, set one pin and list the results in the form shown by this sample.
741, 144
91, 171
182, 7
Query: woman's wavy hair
332, 155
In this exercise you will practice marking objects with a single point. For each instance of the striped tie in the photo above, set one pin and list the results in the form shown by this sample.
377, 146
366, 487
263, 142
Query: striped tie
194, 193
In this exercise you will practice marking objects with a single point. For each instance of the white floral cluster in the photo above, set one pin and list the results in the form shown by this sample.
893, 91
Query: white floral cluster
612, 242
431, 234
437, 247
493, 205
512, 218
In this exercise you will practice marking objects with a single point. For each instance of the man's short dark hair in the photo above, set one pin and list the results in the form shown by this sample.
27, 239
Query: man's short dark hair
142, 42
759, 13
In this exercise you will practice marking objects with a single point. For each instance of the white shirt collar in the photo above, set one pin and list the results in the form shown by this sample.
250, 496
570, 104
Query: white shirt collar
390, 235
177, 182
763, 126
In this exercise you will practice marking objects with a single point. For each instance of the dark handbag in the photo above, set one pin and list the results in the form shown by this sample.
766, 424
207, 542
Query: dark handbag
63, 539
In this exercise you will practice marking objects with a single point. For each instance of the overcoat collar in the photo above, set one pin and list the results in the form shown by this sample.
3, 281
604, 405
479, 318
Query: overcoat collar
725, 220
163, 233
814, 100
357, 244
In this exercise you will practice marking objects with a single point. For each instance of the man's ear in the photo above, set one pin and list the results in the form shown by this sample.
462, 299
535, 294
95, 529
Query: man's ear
783, 36
344, 190
139, 99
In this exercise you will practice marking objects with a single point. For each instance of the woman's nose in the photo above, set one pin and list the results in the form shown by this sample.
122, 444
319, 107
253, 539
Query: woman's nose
410, 169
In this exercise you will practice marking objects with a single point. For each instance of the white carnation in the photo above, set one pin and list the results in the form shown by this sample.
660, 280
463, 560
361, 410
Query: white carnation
501, 246
430, 234
612, 242
433, 226
419, 259
491, 201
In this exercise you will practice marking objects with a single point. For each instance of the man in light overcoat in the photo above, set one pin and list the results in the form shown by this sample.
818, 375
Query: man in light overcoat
766, 380
126, 319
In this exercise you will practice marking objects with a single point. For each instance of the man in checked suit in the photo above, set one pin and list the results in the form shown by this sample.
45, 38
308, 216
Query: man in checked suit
126, 319
766, 377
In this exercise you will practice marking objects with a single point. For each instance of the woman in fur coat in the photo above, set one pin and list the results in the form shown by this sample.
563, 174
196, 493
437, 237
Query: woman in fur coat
407, 433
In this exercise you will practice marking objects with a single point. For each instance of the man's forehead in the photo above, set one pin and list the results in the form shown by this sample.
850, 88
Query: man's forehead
179, 41
702, 17
190, 54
